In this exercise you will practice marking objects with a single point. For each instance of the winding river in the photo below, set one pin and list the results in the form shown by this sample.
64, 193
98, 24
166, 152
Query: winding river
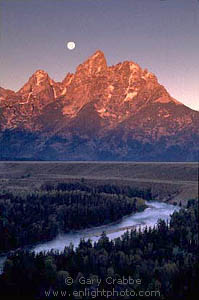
149, 217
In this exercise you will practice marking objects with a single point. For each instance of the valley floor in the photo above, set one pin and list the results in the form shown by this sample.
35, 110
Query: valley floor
170, 182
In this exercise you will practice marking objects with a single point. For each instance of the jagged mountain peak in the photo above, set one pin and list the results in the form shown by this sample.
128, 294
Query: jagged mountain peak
67, 80
40, 74
94, 65
121, 111
98, 54
39, 80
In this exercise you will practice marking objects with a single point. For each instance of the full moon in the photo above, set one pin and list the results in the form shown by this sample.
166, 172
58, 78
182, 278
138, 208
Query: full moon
71, 45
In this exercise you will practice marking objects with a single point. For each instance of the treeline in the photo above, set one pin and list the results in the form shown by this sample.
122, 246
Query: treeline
104, 188
40, 216
164, 259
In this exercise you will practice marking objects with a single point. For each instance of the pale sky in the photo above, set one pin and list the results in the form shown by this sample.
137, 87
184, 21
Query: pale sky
161, 36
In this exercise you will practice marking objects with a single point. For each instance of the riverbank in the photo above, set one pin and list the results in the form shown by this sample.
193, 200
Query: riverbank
149, 217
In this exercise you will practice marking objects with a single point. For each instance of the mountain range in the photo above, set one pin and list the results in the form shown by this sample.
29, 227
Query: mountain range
100, 112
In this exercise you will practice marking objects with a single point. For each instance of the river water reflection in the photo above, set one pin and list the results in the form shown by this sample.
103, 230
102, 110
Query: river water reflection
149, 217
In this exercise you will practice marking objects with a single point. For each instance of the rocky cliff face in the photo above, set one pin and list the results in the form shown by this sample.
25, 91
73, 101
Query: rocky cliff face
104, 112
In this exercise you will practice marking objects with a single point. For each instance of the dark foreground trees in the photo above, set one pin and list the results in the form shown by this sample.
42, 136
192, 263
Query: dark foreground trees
164, 259
39, 216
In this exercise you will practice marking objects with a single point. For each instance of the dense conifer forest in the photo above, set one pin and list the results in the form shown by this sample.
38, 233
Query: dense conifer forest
163, 259
27, 218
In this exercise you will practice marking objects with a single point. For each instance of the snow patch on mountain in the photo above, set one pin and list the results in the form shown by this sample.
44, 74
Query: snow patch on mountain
40, 75
130, 96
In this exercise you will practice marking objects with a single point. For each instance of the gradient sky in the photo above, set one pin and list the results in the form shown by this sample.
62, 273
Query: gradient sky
162, 36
